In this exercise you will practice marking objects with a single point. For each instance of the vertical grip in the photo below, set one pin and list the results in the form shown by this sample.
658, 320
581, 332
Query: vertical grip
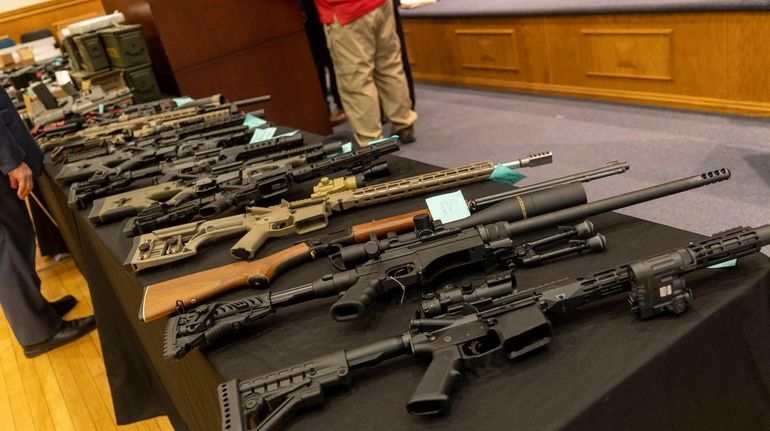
432, 395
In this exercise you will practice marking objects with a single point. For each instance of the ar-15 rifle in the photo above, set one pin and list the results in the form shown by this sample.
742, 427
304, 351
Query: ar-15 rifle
508, 326
163, 298
239, 187
417, 263
100, 146
251, 189
225, 165
305, 215
144, 126
220, 154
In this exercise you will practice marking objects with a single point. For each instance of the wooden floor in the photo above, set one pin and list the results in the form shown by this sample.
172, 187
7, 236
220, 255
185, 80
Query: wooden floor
65, 389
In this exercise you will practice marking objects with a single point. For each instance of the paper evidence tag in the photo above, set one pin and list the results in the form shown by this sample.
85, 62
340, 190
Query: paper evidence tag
504, 174
347, 147
253, 121
179, 101
262, 134
448, 207
292, 133
727, 264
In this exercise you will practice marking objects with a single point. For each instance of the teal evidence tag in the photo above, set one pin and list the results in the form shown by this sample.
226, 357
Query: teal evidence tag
252, 121
726, 264
179, 101
262, 134
504, 174
292, 133
347, 147
393, 138
448, 207
101, 108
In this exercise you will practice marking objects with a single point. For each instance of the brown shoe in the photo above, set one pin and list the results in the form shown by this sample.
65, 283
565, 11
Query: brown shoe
406, 135
71, 330
338, 117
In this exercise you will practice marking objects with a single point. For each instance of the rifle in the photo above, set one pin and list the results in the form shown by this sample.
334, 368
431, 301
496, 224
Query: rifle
237, 186
508, 327
306, 215
101, 146
224, 165
219, 155
144, 126
250, 188
163, 298
414, 264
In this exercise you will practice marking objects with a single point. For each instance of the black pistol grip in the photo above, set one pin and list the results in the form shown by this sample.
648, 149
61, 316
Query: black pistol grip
433, 394
355, 302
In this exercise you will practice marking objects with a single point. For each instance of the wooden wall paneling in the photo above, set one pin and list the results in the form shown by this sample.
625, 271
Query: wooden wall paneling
669, 54
211, 29
278, 68
43, 15
748, 59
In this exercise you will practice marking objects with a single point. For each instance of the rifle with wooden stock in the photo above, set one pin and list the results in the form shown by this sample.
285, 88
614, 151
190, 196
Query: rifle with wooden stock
508, 324
307, 215
161, 299
402, 264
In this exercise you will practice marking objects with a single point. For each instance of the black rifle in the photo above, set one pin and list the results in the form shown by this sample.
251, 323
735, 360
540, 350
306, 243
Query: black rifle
228, 153
418, 262
213, 198
507, 326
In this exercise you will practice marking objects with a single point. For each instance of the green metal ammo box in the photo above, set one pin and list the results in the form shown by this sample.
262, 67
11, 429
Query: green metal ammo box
125, 45
142, 82
68, 43
91, 52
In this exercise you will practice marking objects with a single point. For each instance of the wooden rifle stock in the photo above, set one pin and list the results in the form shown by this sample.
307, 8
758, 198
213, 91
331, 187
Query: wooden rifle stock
162, 299
380, 228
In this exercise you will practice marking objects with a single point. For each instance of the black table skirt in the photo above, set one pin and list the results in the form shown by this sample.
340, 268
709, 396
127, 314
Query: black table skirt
604, 369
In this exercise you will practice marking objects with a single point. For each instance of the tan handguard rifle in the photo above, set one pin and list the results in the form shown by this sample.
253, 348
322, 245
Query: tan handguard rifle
161, 299
146, 125
127, 204
178, 242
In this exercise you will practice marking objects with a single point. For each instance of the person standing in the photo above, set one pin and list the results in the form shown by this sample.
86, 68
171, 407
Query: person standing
36, 323
366, 51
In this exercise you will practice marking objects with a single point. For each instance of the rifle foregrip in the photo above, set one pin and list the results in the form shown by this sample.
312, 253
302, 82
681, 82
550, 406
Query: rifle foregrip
379, 228
433, 394
354, 303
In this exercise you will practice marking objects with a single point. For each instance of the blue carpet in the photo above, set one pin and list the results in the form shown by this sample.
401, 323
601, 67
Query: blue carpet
457, 126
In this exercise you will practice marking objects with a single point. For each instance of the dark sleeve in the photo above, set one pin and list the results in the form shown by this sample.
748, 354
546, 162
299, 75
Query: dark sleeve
11, 153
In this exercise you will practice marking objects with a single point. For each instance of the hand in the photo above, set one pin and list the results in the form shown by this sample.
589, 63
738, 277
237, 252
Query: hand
21, 180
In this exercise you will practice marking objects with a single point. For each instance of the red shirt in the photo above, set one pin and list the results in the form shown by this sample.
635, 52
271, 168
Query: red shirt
345, 10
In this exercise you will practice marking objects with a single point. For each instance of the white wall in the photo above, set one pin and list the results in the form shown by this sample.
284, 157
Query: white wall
8, 5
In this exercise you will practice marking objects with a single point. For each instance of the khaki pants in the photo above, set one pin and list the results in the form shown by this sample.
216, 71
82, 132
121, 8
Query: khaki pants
367, 61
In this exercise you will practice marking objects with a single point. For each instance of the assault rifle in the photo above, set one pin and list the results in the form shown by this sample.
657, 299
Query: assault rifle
408, 265
221, 154
508, 326
103, 146
163, 298
156, 123
207, 196
306, 215
225, 165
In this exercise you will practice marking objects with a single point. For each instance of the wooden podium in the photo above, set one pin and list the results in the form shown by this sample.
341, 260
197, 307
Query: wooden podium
239, 49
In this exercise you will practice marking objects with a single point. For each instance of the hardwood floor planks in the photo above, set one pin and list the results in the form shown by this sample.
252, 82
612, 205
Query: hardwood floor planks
65, 389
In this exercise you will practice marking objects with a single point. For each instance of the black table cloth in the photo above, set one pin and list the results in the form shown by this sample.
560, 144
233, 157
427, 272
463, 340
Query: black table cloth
604, 369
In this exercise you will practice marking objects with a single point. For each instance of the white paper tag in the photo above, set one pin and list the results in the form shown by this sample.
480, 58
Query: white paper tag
448, 207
